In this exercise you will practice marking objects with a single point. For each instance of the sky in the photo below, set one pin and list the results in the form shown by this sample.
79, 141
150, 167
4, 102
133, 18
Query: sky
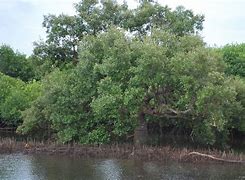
21, 20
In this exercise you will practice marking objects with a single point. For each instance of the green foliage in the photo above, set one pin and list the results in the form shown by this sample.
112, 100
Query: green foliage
63, 105
234, 56
41, 67
10, 93
151, 15
63, 35
96, 136
64, 32
238, 112
170, 78
132, 67
178, 79
15, 97
94, 17
15, 64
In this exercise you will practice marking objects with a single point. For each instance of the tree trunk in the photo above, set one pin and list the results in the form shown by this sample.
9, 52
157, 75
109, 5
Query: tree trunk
140, 132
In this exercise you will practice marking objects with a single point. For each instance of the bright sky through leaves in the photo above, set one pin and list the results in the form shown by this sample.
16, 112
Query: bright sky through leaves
21, 20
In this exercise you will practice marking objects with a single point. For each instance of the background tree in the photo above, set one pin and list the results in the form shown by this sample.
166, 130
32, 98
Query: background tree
15, 64
94, 17
64, 32
149, 15
234, 56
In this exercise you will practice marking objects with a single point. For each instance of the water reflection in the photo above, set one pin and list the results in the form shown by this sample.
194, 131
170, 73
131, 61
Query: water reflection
25, 167
109, 169
16, 167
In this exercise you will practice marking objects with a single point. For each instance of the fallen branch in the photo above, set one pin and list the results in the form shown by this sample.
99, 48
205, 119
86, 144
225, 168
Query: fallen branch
214, 158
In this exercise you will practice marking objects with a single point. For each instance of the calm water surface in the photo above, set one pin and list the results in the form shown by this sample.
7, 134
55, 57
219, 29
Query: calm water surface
28, 167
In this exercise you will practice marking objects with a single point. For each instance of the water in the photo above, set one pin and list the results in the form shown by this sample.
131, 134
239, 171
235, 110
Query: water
40, 167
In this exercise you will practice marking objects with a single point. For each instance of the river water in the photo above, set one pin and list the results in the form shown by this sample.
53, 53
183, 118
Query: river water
44, 167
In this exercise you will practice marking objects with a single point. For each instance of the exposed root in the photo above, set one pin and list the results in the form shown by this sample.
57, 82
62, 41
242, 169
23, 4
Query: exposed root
214, 158
120, 151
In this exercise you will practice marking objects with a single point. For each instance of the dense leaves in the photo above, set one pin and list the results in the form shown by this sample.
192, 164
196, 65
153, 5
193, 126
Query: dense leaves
15, 64
234, 56
93, 17
108, 72
162, 76
15, 97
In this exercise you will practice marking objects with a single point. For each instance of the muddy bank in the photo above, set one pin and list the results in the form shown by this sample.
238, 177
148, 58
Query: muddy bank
122, 151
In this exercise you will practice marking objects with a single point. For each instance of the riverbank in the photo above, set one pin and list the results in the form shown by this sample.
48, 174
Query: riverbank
122, 151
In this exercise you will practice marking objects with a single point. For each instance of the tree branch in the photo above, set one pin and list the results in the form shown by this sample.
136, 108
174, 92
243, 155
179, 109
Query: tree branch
173, 113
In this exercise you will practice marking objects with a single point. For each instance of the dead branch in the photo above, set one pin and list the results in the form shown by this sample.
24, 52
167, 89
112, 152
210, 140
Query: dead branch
214, 158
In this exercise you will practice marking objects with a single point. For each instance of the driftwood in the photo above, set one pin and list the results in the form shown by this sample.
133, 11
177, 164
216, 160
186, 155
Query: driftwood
214, 158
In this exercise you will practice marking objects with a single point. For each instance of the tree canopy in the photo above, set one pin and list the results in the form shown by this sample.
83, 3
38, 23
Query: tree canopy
93, 17
122, 83
110, 72
15, 64
234, 57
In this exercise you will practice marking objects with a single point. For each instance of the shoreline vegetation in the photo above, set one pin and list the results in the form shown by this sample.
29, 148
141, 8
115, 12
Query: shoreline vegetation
122, 151
110, 73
